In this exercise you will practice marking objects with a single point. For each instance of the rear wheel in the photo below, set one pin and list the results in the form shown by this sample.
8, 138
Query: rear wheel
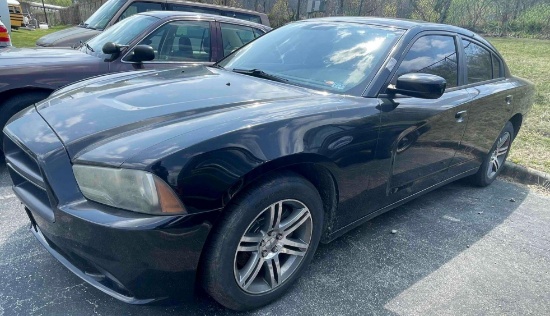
263, 243
494, 160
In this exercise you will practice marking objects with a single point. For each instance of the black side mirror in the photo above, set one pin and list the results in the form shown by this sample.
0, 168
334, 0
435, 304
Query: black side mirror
419, 85
111, 48
142, 53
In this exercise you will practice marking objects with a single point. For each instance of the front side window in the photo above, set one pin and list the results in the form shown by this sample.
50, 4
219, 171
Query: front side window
235, 36
335, 57
478, 62
122, 33
432, 54
139, 7
181, 41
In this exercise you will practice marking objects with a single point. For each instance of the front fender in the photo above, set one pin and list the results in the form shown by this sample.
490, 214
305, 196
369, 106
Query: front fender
207, 167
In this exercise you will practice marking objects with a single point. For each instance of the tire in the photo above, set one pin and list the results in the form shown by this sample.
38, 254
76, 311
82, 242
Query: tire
17, 103
494, 160
224, 268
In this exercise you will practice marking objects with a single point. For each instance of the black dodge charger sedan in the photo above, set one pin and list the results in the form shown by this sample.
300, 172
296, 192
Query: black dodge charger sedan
145, 184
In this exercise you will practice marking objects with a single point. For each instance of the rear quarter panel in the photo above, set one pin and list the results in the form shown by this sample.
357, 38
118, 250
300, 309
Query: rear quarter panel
489, 111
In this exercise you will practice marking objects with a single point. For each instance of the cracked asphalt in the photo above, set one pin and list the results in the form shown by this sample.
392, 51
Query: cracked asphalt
459, 250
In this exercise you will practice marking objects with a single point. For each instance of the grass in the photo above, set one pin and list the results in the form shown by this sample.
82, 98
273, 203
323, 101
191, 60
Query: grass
529, 59
26, 38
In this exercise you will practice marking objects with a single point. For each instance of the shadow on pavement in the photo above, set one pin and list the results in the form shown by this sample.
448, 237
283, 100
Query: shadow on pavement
358, 273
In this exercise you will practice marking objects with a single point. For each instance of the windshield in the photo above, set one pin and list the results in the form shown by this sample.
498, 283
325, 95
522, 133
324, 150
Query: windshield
335, 57
123, 33
100, 19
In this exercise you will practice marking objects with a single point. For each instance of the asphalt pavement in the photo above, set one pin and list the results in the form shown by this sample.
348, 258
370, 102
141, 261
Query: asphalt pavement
459, 250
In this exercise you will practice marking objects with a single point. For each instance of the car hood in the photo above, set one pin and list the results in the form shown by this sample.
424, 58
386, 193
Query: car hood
42, 56
94, 112
67, 37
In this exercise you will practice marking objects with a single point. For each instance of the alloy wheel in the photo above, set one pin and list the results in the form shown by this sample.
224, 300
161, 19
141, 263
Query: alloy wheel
499, 154
273, 246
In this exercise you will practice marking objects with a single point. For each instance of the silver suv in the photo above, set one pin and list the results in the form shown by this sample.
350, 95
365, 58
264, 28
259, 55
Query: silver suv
114, 11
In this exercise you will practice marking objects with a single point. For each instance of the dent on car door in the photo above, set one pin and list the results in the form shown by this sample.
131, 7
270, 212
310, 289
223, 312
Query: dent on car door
421, 136
491, 106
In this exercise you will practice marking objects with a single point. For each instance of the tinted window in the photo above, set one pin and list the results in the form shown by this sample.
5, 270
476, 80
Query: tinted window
235, 36
432, 54
138, 7
496, 67
478, 61
181, 41
187, 8
243, 16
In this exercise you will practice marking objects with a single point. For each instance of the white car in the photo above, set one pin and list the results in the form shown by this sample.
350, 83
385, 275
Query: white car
5, 40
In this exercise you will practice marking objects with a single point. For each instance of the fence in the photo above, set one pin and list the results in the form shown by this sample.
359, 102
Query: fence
80, 11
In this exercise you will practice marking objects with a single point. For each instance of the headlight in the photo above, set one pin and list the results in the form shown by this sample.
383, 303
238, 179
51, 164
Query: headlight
132, 190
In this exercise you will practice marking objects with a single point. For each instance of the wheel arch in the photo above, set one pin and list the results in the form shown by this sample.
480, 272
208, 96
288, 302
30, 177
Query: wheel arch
8, 94
516, 121
314, 169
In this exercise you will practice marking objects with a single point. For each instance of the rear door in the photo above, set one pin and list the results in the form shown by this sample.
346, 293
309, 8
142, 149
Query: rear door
491, 106
234, 36
423, 135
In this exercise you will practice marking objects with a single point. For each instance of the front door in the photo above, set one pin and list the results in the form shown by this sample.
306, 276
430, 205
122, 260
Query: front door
424, 135
176, 43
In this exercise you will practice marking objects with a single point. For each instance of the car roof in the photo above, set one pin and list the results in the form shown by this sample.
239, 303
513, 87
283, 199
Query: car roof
196, 15
405, 24
217, 6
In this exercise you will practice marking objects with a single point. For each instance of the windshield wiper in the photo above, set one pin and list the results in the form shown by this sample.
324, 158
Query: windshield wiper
87, 46
260, 74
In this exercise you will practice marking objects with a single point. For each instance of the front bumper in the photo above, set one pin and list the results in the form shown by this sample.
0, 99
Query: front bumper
136, 258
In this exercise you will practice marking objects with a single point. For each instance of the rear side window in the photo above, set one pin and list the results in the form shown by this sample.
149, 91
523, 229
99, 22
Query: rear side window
496, 67
432, 54
478, 62
235, 36
138, 7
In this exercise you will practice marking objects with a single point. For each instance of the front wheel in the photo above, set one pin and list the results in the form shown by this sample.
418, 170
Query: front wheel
494, 160
263, 243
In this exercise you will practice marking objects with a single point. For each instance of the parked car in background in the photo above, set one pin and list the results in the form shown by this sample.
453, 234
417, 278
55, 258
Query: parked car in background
153, 40
16, 14
145, 183
5, 40
114, 11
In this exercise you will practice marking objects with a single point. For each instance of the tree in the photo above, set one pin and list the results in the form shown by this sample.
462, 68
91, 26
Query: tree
280, 13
